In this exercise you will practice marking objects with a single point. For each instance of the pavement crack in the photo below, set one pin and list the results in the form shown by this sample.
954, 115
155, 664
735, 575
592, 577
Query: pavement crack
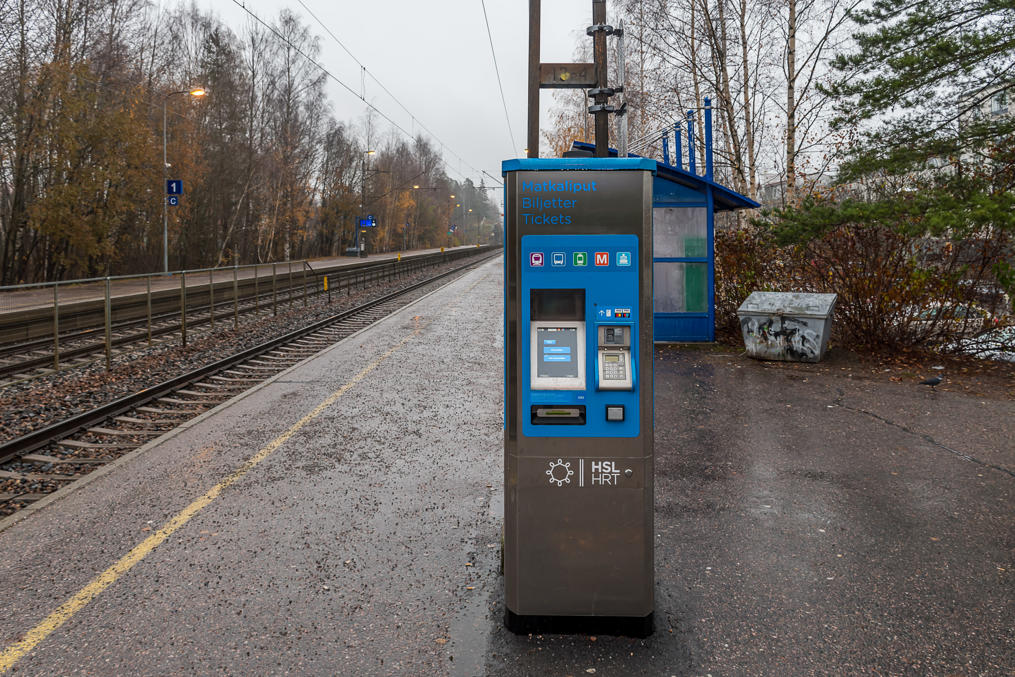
926, 438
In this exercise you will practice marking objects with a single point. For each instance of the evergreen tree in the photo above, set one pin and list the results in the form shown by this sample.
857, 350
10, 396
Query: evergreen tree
918, 82
928, 157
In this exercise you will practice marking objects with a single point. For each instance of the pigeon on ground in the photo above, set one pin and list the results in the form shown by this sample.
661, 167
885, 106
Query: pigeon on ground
932, 381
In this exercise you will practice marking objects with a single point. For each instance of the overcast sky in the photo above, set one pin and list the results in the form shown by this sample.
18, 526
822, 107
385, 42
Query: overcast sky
434, 55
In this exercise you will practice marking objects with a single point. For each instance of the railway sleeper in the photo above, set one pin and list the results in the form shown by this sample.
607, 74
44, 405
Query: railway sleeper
27, 498
123, 432
43, 458
79, 444
169, 412
36, 477
145, 421
241, 374
173, 400
216, 386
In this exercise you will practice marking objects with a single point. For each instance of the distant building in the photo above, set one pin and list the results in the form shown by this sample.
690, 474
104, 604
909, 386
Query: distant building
999, 102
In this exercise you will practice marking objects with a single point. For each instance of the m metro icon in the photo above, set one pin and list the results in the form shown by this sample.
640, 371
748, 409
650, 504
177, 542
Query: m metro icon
602, 258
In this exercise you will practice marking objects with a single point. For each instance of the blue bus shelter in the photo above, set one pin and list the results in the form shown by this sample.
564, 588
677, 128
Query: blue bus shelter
684, 205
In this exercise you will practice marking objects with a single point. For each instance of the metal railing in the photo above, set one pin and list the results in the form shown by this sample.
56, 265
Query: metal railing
33, 320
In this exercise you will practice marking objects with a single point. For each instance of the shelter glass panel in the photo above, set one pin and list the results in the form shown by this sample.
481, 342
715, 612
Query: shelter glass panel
679, 232
680, 287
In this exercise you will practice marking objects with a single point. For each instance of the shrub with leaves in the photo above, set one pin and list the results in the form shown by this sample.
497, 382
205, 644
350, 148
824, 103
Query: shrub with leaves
746, 260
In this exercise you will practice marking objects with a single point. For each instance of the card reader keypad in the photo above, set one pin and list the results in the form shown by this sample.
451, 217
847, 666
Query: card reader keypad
615, 371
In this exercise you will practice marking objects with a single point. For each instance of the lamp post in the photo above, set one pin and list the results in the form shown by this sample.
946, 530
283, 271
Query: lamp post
197, 92
364, 167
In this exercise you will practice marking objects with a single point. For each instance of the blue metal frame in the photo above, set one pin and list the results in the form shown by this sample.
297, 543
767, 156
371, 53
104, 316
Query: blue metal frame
664, 321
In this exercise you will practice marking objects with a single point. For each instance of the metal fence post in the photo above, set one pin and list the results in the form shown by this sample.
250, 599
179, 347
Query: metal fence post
211, 297
149, 281
183, 306
236, 300
257, 298
109, 337
304, 284
56, 326
274, 304
289, 296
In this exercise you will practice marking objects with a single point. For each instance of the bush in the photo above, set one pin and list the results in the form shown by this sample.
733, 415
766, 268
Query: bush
746, 260
895, 290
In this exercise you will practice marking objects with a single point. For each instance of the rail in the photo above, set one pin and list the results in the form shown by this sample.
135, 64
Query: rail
80, 310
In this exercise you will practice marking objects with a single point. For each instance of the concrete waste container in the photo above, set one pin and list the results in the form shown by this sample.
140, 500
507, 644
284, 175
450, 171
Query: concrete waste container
787, 326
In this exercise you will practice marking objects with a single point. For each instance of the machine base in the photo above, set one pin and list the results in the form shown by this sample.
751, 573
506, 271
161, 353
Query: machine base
627, 626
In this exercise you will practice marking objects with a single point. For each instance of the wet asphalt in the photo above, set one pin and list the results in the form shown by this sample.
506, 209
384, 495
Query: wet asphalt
806, 524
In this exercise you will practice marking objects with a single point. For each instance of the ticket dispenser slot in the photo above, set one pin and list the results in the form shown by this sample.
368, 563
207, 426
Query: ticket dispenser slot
614, 361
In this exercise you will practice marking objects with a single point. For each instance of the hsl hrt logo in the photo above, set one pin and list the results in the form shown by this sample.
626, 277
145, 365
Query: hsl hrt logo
605, 473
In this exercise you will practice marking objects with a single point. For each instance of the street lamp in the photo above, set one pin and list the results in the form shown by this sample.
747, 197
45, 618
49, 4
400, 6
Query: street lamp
196, 92
364, 167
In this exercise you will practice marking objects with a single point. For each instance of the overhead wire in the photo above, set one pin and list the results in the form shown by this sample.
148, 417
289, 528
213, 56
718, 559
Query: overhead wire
496, 69
361, 95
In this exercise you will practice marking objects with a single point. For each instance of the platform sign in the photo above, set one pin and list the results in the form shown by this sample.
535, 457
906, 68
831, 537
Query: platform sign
368, 222
173, 200
567, 75
174, 187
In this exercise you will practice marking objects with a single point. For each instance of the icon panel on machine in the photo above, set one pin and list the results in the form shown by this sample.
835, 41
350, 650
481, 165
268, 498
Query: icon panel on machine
581, 259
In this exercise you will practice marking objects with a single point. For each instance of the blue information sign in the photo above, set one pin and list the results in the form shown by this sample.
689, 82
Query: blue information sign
174, 187
173, 200
368, 222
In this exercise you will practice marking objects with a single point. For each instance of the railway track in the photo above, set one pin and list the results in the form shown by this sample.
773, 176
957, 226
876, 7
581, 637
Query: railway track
82, 346
43, 461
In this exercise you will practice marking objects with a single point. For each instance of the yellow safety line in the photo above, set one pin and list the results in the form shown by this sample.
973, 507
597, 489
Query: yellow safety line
66, 611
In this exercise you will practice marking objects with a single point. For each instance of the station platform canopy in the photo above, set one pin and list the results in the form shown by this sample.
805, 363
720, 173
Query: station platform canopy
684, 204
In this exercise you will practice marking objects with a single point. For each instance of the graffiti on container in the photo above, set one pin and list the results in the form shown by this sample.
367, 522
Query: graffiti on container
782, 338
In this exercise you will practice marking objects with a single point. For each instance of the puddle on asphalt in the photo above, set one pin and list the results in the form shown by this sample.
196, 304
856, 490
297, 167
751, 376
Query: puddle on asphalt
497, 505
474, 625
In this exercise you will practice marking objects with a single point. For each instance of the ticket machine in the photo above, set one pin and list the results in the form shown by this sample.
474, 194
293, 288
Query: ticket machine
578, 439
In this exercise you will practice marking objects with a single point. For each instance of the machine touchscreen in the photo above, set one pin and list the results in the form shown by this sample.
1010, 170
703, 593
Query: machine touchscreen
558, 352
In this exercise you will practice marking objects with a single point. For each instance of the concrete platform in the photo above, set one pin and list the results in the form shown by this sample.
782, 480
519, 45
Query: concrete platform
807, 524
